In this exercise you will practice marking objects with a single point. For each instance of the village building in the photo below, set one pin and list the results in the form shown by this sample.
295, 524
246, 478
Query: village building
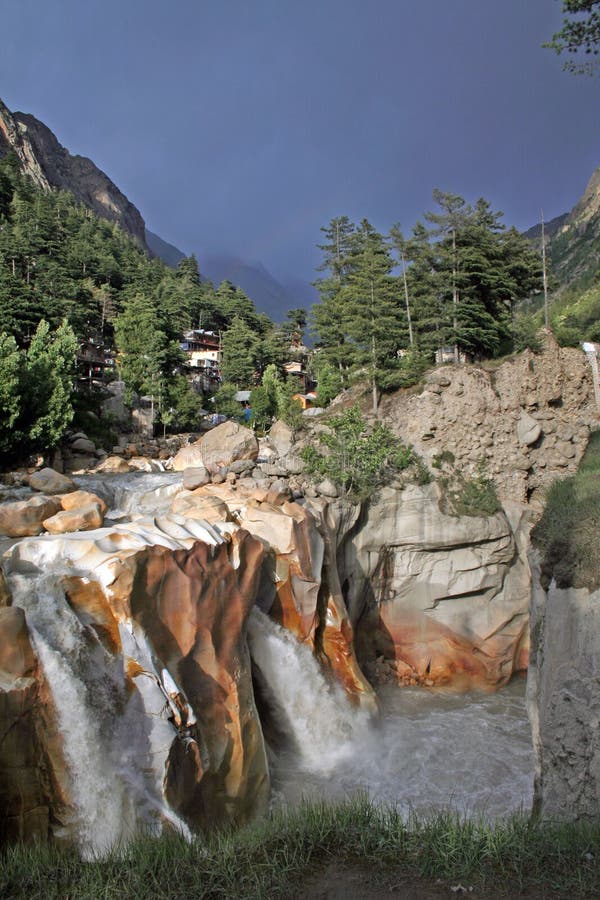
203, 351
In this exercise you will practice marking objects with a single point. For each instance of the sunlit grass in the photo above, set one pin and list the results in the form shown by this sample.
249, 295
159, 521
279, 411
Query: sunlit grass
273, 857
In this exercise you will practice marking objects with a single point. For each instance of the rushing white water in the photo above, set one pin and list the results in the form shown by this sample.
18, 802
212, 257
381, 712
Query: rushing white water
131, 494
428, 750
115, 747
471, 753
316, 714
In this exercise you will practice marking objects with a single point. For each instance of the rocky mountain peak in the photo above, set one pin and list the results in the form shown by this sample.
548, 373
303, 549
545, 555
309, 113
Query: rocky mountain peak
588, 206
50, 165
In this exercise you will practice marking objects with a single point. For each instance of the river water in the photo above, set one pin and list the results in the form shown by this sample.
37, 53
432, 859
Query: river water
469, 752
427, 750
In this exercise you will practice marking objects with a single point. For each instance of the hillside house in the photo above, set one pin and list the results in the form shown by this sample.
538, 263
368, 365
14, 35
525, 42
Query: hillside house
203, 351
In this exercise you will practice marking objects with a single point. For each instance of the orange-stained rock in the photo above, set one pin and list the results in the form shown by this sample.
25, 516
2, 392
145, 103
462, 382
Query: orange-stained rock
307, 596
447, 596
5, 596
85, 518
193, 606
33, 801
22, 518
89, 602
77, 499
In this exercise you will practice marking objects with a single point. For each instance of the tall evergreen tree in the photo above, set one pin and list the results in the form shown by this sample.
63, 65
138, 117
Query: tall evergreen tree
372, 316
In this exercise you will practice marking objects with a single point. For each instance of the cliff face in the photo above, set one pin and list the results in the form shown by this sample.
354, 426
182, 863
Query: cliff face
574, 247
51, 165
563, 701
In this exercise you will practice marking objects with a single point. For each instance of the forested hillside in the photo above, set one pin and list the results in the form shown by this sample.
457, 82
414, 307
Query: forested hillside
75, 278
458, 286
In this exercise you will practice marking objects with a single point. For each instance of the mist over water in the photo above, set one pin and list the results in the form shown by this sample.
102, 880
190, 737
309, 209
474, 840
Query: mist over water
470, 752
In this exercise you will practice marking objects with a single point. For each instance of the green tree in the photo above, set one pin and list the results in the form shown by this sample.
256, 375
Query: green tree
580, 33
11, 386
357, 458
239, 354
148, 357
372, 316
49, 375
448, 222
328, 315
329, 382
225, 402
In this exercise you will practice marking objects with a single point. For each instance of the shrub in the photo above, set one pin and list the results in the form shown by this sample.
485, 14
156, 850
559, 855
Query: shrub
357, 458
464, 495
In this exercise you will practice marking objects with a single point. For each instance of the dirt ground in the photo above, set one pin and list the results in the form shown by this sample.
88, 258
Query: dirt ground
335, 882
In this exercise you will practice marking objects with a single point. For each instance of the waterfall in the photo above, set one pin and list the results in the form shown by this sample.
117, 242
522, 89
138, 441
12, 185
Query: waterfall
317, 714
115, 741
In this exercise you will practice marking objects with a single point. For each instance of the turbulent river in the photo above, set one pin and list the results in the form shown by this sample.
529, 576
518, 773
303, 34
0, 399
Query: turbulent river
469, 752
426, 750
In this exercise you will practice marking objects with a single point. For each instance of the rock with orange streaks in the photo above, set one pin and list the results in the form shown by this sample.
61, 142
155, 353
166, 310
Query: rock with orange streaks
192, 606
447, 596
306, 597
21, 518
33, 799
83, 518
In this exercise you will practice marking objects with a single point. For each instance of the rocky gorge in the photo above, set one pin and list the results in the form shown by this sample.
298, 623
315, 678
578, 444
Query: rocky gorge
137, 609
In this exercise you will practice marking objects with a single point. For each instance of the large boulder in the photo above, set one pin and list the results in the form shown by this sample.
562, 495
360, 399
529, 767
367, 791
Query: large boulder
114, 464
84, 518
47, 481
25, 517
189, 457
200, 505
444, 597
195, 477
226, 443
77, 499
281, 437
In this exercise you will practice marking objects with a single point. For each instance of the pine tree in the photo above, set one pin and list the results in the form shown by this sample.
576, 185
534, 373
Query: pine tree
239, 350
372, 317
328, 315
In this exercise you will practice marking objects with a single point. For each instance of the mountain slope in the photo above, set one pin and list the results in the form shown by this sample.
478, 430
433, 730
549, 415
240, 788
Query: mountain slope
169, 253
573, 239
51, 165
269, 294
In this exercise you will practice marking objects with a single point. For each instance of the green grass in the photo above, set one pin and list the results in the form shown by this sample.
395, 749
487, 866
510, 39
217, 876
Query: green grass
272, 858
464, 495
568, 534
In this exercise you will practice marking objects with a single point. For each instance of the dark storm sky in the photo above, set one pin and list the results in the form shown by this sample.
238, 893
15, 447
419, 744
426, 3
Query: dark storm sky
244, 125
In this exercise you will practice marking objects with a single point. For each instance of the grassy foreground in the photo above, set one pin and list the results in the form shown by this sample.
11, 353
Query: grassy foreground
275, 857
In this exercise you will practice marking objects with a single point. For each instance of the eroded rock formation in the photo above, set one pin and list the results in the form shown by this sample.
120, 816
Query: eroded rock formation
141, 645
437, 599
142, 637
